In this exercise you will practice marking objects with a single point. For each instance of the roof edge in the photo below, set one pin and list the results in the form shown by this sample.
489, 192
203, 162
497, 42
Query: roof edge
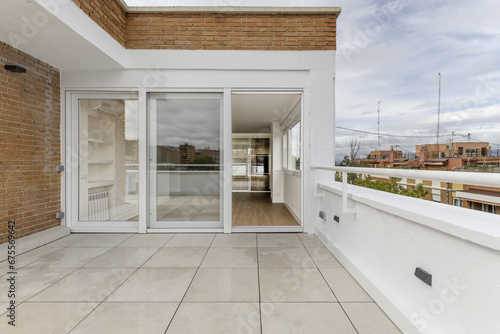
229, 9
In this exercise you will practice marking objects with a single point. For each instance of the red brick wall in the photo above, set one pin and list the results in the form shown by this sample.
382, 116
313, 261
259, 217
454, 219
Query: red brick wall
108, 14
30, 144
213, 31
231, 31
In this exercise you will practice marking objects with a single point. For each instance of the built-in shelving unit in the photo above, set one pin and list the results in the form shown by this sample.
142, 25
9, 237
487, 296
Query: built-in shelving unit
251, 162
97, 158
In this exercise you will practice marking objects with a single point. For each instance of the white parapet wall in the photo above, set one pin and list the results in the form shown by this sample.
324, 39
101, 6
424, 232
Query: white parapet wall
389, 236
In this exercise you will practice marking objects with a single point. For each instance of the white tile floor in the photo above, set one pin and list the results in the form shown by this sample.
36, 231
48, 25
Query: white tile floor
189, 283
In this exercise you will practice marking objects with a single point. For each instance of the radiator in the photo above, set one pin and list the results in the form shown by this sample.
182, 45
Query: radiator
99, 206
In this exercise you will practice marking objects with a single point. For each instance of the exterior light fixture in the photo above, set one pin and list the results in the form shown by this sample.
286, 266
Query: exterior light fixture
15, 68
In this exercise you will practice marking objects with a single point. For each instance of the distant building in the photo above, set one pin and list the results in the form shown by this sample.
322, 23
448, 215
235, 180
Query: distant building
187, 153
457, 149
208, 153
485, 199
168, 154
386, 155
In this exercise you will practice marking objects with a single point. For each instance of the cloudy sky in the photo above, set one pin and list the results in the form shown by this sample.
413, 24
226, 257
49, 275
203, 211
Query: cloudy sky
392, 51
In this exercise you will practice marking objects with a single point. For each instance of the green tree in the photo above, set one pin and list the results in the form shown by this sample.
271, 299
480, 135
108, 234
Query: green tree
392, 186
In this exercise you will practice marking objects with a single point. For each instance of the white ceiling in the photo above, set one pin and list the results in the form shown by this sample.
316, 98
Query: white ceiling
27, 26
254, 113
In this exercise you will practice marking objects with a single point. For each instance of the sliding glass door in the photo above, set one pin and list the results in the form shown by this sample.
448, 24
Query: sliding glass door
185, 154
102, 161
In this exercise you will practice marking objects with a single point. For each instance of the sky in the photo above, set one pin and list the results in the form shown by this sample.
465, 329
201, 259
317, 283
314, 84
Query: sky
392, 51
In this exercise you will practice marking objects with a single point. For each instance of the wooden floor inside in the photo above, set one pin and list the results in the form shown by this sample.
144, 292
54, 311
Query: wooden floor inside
256, 209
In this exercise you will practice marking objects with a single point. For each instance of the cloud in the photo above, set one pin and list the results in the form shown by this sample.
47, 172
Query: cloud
398, 63
196, 122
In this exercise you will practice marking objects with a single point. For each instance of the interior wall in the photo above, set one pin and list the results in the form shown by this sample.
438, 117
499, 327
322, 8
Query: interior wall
292, 190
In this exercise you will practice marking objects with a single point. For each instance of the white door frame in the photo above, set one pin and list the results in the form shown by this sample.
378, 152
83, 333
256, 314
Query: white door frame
72, 158
270, 229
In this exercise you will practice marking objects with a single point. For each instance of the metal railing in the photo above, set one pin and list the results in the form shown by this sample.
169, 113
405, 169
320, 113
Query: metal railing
469, 178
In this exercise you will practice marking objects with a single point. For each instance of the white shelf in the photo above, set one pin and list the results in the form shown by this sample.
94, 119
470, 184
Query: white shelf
103, 183
100, 162
100, 141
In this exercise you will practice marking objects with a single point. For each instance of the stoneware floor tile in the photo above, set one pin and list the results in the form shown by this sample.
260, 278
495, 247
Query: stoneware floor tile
344, 286
216, 318
121, 257
30, 281
191, 240
86, 284
368, 318
69, 257
177, 257
305, 318
235, 240
323, 258
310, 240
102, 240
273, 257
279, 240
127, 318
224, 284
69, 240
294, 285
53, 318
146, 240
155, 284
231, 258
36, 254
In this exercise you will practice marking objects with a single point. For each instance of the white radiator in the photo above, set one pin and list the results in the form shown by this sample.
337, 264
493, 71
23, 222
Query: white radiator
99, 206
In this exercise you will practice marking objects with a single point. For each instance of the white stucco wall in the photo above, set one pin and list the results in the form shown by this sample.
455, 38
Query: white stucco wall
389, 236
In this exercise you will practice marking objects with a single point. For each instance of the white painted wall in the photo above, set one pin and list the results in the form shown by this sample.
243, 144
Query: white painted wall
277, 176
389, 236
293, 194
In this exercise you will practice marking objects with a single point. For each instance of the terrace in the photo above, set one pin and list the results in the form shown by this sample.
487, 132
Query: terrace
189, 283
347, 270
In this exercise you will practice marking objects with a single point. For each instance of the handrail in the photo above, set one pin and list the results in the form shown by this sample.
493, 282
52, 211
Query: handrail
472, 178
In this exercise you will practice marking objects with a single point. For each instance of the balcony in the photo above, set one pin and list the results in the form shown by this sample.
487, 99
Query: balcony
189, 283
381, 238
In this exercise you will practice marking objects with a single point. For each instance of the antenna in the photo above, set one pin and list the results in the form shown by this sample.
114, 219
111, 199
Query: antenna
439, 108
378, 124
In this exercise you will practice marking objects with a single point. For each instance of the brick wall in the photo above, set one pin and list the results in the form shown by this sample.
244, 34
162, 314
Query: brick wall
108, 14
213, 31
30, 144
231, 31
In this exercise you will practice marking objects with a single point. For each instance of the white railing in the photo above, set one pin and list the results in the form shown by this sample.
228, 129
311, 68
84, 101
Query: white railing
476, 179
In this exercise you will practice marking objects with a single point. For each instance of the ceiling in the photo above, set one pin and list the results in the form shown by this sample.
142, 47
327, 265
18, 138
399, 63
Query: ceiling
29, 27
254, 113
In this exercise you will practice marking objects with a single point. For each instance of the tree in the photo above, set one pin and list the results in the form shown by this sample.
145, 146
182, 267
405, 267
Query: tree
392, 186
355, 146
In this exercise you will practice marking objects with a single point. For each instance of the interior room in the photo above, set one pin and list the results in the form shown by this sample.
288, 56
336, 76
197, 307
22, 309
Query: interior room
266, 166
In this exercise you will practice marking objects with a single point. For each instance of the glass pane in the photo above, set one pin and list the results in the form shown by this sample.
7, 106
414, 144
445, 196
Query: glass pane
241, 168
260, 164
108, 160
294, 162
185, 155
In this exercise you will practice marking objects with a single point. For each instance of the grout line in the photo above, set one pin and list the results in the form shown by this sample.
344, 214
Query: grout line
338, 301
122, 283
258, 282
194, 276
